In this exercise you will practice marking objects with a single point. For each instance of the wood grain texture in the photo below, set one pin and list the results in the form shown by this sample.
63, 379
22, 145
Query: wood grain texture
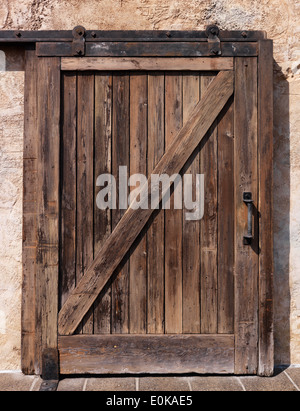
173, 217
28, 349
68, 190
265, 150
226, 221
133, 221
191, 229
102, 165
246, 257
147, 64
47, 260
120, 157
134, 354
138, 164
85, 183
209, 225
156, 226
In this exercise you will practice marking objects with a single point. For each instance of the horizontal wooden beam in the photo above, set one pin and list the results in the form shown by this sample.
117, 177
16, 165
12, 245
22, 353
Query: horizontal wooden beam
151, 354
133, 221
145, 63
21, 36
147, 49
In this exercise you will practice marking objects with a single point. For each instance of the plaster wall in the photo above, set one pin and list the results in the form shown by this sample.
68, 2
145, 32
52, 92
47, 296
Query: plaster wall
280, 18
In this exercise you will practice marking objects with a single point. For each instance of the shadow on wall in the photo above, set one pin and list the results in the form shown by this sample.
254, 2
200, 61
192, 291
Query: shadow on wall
281, 183
12, 58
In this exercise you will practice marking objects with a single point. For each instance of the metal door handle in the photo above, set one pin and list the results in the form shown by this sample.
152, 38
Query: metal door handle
247, 198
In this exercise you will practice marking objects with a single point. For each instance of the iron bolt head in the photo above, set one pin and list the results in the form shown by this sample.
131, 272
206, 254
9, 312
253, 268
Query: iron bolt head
214, 51
212, 30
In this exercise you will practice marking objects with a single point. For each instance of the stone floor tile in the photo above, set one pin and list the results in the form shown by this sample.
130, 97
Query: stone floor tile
111, 384
71, 384
294, 374
36, 384
16, 382
163, 384
279, 382
215, 384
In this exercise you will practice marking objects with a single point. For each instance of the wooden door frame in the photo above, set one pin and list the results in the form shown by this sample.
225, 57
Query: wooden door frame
41, 202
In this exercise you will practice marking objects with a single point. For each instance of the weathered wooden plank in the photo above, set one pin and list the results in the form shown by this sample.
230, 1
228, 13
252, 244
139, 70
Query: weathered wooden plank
209, 226
47, 259
138, 164
147, 49
265, 150
121, 239
246, 256
156, 226
226, 221
102, 218
120, 157
173, 217
191, 229
29, 213
68, 184
29, 184
147, 64
134, 354
85, 182
28, 353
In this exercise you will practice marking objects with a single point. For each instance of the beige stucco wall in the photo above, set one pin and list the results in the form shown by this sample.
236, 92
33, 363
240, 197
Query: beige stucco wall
280, 18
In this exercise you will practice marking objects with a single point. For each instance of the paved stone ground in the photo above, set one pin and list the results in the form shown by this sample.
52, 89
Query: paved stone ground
284, 380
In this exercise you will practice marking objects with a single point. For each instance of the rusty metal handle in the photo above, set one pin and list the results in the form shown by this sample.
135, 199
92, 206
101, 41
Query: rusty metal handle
247, 198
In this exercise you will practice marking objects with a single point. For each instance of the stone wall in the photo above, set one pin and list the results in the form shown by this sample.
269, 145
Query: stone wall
280, 18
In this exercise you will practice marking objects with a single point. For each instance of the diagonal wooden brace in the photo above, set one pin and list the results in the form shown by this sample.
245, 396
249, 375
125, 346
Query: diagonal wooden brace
133, 221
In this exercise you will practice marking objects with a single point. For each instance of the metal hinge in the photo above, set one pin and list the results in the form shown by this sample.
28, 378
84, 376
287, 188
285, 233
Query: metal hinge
78, 45
212, 33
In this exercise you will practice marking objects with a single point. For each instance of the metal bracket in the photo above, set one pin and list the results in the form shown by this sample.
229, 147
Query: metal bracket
50, 370
78, 45
212, 33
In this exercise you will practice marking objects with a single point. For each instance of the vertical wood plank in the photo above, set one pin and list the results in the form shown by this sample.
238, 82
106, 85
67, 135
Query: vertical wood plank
209, 226
68, 191
226, 221
85, 182
30, 154
173, 218
48, 129
120, 157
246, 256
102, 218
191, 229
138, 164
266, 269
155, 232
